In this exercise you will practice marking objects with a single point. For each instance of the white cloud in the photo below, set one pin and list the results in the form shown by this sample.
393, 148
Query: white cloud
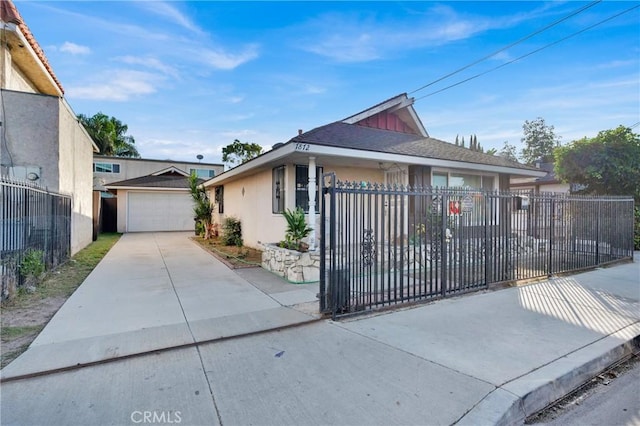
218, 58
149, 62
169, 11
364, 37
117, 85
74, 49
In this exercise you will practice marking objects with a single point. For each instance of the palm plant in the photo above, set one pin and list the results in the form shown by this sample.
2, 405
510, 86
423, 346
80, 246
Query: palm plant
202, 208
297, 228
109, 134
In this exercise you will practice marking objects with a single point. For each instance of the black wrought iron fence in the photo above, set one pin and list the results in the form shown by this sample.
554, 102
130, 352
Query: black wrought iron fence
386, 245
31, 219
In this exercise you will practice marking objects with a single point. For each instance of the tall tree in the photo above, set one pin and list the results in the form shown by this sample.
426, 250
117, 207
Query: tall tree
508, 151
110, 135
240, 152
606, 164
539, 141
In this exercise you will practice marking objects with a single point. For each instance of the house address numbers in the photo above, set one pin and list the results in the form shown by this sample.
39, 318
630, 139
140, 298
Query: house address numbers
302, 147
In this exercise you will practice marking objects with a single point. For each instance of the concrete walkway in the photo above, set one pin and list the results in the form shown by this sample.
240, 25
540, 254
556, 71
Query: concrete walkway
488, 358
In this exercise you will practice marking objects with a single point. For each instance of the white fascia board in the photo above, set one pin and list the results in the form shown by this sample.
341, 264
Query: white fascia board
173, 169
265, 158
420, 161
145, 189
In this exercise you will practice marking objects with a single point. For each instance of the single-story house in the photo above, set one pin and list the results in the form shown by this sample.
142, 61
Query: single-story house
386, 143
160, 201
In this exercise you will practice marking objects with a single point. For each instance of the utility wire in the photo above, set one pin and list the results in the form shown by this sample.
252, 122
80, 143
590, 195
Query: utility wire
484, 58
530, 53
633, 126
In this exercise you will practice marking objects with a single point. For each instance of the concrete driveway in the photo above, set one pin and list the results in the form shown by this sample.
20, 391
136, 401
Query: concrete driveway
156, 291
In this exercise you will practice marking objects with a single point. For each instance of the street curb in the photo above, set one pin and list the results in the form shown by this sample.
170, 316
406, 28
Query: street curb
513, 402
12, 378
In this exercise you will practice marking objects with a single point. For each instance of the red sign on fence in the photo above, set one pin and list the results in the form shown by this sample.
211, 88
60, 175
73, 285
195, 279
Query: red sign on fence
454, 207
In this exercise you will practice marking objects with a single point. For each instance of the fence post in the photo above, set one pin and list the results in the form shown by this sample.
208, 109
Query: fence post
443, 243
598, 233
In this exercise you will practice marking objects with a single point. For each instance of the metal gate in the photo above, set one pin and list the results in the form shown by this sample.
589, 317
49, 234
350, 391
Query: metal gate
383, 245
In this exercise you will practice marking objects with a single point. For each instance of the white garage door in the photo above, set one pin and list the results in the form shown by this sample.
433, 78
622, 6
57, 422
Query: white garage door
159, 211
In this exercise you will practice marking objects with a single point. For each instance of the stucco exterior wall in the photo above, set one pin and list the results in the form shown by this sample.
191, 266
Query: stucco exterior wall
123, 197
76, 175
132, 168
31, 127
254, 209
18, 81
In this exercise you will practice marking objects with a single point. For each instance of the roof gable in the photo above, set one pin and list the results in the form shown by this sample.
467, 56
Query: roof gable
170, 171
395, 114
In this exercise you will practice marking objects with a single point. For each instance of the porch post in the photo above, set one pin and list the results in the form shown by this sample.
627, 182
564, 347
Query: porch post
311, 188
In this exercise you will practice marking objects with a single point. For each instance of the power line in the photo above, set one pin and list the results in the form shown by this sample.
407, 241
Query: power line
572, 14
530, 53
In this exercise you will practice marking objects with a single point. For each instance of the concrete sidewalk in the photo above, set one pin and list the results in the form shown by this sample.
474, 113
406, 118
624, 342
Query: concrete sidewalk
489, 358
159, 291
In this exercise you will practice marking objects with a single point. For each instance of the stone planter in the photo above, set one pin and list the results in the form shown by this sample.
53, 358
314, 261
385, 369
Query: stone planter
294, 266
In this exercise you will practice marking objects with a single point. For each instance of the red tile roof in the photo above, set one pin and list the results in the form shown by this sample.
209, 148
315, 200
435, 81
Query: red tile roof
9, 13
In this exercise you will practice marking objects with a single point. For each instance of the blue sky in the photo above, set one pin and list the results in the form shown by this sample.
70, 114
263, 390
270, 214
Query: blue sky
190, 77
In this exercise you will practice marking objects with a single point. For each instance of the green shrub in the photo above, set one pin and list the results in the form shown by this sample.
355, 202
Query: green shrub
232, 232
32, 264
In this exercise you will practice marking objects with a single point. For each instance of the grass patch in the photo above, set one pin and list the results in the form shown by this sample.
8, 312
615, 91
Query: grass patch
237, 257
10, 333
26, 314
66, 278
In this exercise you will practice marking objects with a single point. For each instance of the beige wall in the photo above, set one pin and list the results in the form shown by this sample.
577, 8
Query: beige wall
254, 209
132, 168
12, 77
76, 176
259, 224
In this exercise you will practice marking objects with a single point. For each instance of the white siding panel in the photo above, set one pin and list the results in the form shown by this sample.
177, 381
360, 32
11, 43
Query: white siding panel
159, 211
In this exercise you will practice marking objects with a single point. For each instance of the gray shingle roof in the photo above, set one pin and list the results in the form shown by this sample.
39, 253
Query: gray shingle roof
342, 135
173, 181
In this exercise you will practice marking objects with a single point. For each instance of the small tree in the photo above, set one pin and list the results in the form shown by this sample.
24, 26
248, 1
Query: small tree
202, 208
508, 151
539, 141
240, 152
606, 164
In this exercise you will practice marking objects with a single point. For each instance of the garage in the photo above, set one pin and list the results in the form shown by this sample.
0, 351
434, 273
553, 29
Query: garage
159, 211
157, 202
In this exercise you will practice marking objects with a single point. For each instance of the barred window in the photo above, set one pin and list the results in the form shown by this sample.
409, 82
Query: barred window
278, 190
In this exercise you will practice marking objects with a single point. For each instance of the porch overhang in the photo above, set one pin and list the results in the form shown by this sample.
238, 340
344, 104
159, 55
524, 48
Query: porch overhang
295, 152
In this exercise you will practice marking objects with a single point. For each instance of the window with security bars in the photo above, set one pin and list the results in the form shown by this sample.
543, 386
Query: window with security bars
278, 189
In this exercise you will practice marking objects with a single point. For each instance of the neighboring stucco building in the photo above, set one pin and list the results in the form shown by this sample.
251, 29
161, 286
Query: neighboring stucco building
547, 183
41, 138
160, 201
107, 169
142, 195
386, 143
